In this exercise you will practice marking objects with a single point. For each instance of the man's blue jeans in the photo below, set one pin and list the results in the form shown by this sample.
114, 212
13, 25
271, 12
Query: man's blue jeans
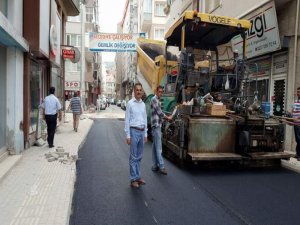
157, 159
136, 152
297, 137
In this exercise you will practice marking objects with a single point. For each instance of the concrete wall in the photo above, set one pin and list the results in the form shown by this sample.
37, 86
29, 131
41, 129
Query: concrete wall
14, 82
15, 14
73, 28
240, 7
14, 101
287, 21
44, 26
2, 99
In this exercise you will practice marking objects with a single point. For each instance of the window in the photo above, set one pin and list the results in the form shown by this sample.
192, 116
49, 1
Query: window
159, 33
89, 15
170, 2
73, 19
73, 40
72, 67
68, 39
3, 7
262, 90
35, 78
159, 9
147, 8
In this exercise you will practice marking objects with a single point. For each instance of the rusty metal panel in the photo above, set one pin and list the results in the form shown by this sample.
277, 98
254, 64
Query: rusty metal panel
211, 135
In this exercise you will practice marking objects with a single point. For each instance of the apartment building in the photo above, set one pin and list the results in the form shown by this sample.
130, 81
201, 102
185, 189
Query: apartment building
140, 16
84, 76
13, 45
152, 18
30, 57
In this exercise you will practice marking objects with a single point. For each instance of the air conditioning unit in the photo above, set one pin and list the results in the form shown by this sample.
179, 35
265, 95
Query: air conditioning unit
167, 9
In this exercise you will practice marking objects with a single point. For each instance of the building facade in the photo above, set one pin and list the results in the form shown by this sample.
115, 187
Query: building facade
110, 81
140, 16
13, 45
30, 39
152, 18
44, 26
84, 76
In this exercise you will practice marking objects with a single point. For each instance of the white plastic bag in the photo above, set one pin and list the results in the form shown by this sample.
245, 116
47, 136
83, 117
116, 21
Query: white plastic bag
227, 83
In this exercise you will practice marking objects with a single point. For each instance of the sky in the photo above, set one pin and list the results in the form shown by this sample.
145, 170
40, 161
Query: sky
111, 13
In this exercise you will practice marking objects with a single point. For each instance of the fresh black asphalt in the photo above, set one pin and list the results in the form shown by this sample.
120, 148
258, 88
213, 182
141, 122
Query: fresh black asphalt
186, 196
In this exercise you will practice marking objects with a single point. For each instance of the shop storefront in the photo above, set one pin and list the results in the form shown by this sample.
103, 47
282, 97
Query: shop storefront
259, 76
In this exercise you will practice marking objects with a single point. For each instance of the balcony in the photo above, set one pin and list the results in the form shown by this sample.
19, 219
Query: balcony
146, 21
71, 7
89, 56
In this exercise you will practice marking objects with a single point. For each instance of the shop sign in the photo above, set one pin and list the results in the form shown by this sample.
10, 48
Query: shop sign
260, 68
263, 35
72, 84
68, 53
53, 40
280, 64
107, 42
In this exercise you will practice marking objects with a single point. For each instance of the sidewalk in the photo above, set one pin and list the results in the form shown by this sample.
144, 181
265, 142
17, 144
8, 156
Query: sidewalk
38, 192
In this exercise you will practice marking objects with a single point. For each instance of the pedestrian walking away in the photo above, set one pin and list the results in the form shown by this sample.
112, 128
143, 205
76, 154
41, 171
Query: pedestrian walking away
136, 134
296, 116
76, 108
157, 117
52, 107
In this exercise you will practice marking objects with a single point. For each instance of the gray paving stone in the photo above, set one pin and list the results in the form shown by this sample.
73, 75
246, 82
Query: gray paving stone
33, 189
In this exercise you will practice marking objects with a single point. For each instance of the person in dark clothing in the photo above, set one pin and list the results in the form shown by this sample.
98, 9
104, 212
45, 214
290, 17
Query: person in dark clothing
51, 106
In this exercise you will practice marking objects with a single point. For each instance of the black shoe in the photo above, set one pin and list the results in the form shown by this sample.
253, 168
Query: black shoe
51, 146
155, 168
297, 157
163, 171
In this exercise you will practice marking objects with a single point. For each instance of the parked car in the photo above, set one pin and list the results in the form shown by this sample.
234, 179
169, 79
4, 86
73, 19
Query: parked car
123, 104
102, 104
119, 103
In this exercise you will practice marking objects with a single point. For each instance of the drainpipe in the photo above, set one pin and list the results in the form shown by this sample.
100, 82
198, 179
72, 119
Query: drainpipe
296, 43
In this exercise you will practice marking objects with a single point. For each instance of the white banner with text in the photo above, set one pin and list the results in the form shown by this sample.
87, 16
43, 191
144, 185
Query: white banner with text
106, 42
263, 35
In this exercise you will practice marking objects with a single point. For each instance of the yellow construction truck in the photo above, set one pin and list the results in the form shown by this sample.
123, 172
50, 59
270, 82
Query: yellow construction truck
215, 116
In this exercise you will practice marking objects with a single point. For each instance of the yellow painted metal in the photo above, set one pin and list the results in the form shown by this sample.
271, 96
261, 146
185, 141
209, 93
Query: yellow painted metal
208, 18
152, 70
182, 37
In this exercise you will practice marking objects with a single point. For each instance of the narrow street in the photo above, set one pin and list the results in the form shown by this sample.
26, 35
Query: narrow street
185, 196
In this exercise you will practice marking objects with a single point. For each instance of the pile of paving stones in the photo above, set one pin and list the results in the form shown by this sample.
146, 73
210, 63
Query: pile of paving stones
61, 156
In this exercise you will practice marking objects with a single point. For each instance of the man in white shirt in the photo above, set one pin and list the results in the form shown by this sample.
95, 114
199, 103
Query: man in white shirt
136, 134
51, 106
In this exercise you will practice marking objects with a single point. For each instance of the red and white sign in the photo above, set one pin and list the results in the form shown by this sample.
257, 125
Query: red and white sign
68, 53
72, 84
